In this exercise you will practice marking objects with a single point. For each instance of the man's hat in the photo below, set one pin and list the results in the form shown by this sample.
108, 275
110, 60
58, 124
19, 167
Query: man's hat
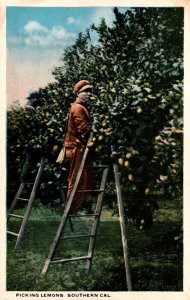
81, 86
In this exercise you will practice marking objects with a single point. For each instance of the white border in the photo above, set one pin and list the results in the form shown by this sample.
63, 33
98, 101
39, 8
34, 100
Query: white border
4, 295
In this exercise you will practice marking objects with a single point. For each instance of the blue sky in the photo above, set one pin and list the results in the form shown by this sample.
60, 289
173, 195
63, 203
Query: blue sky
68, 17
72, 19
36, 38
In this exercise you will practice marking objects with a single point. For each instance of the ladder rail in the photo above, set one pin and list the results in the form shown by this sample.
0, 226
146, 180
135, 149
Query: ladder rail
96, 221
30, 203
64, 200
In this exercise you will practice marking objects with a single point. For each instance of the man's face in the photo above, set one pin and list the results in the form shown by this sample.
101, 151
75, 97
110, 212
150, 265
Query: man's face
85, 95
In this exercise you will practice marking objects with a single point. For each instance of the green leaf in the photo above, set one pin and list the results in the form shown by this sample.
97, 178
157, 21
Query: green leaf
148, 90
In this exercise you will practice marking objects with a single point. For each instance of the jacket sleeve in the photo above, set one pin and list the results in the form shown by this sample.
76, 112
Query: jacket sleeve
82, 122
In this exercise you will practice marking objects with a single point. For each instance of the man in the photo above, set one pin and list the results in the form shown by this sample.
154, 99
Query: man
77, 135
32, 155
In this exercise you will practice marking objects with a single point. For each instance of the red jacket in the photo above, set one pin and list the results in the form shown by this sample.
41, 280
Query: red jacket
78, 125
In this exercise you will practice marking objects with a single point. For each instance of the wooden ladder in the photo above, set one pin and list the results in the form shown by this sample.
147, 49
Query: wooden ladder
10, 214
92, 236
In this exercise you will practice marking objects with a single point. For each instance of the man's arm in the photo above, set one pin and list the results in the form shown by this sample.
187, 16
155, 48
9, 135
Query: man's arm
82, 123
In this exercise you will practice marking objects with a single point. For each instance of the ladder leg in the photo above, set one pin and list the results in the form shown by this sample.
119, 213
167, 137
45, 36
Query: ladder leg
96, 222
15, 200
55, 242
31, 199
123, 226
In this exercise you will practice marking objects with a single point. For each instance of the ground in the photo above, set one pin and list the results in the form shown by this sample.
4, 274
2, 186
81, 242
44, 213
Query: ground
155, 255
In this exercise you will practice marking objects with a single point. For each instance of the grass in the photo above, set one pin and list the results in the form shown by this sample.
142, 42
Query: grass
155, 255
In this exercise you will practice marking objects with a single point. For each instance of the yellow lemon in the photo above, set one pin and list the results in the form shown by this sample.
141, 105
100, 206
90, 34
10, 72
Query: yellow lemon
108, 131
130, 177
100, 138
51, 130
121, 161
90, 144
98, 149
135, 152
147, 191
173, 129
137, 81
104, 124
128, 155
55, 148
126, 163
174, 166
139, 110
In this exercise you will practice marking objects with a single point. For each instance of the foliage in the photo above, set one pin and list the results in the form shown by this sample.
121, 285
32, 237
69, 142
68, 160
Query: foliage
136, 68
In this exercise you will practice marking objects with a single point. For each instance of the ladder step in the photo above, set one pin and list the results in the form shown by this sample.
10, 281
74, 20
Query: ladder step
89, 191
16, 216
23, 199
76, 236
12, 233
84, 215
70, 259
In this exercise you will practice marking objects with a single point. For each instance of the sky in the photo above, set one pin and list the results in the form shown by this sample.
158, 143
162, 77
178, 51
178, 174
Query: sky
36, 38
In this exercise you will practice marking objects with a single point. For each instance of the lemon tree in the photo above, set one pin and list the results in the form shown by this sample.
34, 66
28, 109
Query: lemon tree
136, 68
